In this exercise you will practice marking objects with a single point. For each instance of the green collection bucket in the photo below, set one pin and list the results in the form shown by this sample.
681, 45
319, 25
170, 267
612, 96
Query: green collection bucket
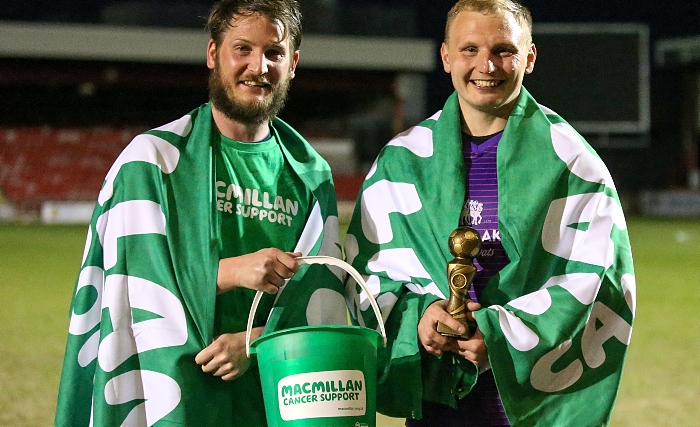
319, 376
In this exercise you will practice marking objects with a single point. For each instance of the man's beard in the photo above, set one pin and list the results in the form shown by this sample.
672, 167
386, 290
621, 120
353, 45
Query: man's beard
247, 113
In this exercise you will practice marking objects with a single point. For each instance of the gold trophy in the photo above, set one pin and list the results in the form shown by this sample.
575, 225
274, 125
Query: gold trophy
464, 244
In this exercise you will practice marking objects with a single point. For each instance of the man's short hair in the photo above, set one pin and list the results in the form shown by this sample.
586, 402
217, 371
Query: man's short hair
521, 13
286, 12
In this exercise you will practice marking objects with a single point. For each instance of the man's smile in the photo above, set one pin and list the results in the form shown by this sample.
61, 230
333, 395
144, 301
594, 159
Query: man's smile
486, 83
256, 83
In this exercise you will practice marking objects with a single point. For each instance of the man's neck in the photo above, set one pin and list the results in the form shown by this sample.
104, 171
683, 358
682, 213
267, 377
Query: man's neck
476, 122
240, 131
482, 124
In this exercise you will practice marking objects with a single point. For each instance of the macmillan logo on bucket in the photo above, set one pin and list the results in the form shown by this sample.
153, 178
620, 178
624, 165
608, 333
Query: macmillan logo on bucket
322, 395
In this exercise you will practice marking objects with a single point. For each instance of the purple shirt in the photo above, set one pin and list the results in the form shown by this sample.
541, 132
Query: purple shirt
482, 406
480, 208
480, 211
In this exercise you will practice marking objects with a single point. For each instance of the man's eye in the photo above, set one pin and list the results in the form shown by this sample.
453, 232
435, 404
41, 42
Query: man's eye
505, 53
274, 54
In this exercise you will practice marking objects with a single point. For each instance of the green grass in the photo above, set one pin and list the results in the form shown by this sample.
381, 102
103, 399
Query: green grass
660, 386
38, 267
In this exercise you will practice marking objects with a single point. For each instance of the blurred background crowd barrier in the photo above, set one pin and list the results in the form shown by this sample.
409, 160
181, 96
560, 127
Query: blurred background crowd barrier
79, 79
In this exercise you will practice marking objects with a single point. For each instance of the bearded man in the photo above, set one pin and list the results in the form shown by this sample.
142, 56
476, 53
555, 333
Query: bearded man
194, 217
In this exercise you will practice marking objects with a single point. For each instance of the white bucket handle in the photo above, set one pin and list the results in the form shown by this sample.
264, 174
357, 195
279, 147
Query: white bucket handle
328, 261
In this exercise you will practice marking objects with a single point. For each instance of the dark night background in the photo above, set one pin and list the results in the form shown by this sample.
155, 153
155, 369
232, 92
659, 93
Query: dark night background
665, 19
425, 18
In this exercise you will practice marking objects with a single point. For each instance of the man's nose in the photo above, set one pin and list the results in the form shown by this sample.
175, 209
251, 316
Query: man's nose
486, 64
258, 64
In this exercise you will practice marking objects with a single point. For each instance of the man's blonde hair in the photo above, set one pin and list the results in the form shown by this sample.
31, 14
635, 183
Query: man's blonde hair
521, 13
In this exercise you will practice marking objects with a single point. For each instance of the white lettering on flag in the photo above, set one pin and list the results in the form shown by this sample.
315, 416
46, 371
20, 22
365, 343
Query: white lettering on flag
326, 307
143, 148
82, 323
423, 150
401, 265
592, 341
560, 236
136, 217
180, 127
418, 140
161, 394
629, 286
121, 294
312, 231
593, 337
386, 197
330, 244
88, 352
352, 248
88, 244
542, 378
534, 303
582, 286
516, 332
579, 160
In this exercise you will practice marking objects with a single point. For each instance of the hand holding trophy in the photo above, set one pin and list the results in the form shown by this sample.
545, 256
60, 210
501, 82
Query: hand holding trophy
464, 243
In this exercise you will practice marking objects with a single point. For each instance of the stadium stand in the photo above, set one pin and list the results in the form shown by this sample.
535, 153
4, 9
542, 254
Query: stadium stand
43, 163
39, 164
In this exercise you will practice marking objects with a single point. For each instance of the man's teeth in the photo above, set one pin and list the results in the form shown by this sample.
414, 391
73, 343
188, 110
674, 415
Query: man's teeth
486, 83
254, 83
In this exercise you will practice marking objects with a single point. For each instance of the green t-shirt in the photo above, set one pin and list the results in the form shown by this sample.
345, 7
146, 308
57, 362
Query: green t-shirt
261, 203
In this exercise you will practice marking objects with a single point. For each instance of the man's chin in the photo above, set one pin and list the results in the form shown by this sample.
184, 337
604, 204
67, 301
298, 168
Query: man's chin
253, 93
247, 113
253, 99
249, 110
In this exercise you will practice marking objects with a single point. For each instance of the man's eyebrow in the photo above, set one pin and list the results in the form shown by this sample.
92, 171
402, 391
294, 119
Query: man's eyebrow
243, 39
505, 46
240, 39
280, 44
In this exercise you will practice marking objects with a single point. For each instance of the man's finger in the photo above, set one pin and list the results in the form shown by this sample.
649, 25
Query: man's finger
203, 356
223, 370
473, 306
210, 367
438, 313
230, 376
275, 279
283, 271
449, 321
289, 261
271, 288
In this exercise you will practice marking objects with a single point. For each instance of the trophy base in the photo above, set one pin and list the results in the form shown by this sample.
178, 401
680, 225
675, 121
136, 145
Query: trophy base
446, 331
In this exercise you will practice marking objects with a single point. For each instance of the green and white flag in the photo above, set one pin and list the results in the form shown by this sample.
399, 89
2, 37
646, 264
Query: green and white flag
144, 301
557, 319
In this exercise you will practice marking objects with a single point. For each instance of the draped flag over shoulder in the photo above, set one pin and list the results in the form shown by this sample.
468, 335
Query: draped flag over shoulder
144, 301
557, 320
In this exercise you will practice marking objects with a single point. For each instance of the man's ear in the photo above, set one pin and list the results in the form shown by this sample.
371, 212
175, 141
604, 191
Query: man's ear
211, 54
445, 58
295, 61
531, 57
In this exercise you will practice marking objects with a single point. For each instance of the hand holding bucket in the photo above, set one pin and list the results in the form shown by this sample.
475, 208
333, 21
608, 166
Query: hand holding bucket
322, 375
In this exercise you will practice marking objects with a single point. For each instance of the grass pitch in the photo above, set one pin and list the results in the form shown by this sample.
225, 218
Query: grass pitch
660, 386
